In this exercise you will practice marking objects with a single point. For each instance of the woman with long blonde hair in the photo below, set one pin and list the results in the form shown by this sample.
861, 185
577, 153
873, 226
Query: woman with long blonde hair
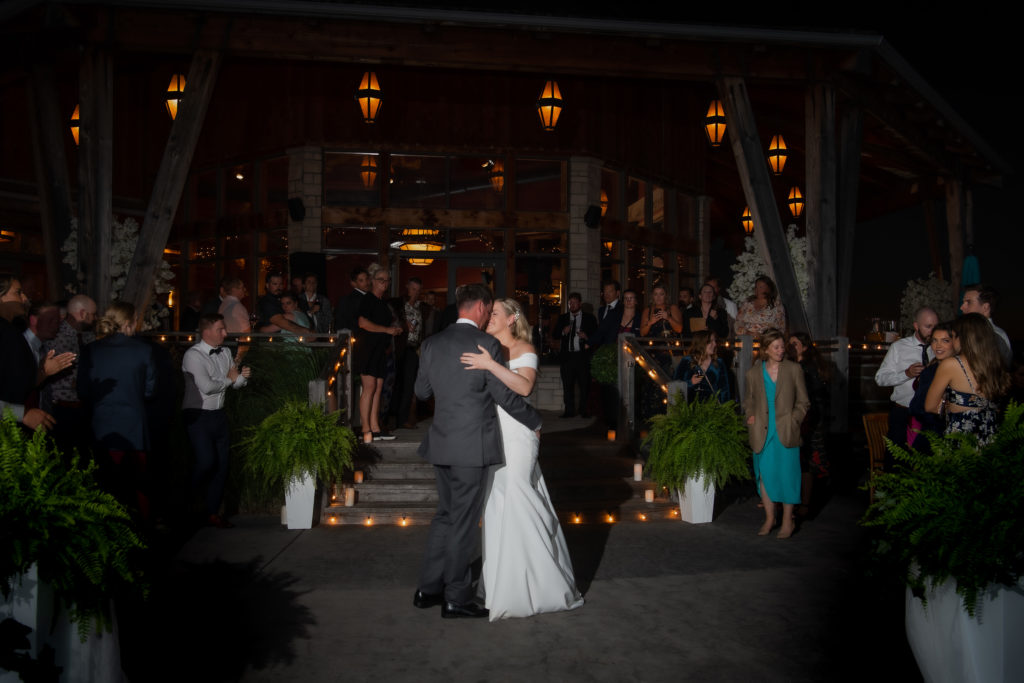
526, 566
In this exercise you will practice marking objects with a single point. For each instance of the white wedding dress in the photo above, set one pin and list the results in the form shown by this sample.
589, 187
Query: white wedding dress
526, 566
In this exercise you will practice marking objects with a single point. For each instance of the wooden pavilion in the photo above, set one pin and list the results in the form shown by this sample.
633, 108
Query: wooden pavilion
269, 161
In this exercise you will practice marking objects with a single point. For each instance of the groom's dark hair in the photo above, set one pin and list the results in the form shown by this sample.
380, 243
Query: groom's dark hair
467, 295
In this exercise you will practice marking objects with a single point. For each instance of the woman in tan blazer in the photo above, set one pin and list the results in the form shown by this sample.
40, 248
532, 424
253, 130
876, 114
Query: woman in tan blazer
775, 403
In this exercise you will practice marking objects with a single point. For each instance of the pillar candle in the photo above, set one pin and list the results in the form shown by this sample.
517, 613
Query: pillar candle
649, 495
357, 476
350, 497
638, 471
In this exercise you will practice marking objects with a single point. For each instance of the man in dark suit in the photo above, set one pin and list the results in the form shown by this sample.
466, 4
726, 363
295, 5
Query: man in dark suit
463, 441
575, 328
609, 319
609, 316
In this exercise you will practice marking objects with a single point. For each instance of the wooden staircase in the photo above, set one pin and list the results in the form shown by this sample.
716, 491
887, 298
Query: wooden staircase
589, 478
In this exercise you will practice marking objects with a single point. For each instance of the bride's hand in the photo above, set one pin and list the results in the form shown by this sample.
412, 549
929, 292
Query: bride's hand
477, 361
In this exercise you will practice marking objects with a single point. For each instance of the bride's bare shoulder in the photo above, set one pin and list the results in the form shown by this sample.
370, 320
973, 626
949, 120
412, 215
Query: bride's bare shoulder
520, 348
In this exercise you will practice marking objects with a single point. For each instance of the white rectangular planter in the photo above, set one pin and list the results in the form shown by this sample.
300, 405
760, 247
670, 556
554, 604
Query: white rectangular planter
299, 501
696, 505
31, 603
951, 646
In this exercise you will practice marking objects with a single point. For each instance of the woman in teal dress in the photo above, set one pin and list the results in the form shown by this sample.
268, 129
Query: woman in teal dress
775, 404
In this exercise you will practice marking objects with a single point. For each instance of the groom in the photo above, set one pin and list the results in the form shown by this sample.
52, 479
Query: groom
464, 439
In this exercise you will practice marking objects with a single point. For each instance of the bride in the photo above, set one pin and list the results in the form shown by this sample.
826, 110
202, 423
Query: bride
526, 566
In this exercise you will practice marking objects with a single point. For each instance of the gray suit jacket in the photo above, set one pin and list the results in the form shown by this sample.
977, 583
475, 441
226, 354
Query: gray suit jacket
791, 404
465, 430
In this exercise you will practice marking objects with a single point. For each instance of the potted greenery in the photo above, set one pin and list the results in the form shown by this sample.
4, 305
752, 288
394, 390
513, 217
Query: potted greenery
290, 449
695, 447
952, 523
65, 551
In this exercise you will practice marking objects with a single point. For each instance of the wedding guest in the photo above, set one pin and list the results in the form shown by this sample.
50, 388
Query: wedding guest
346, 313
943, 345
407, 363
630, 322
703, 371
608, 316
762, 310
982, 298
574, 328
315, 305
236, 316
723, 301
116, 375
903, 363
59, 395
377, 328
813, 430
970, 384
290, 306
270, 311
775, 404
209, 372
661, 319
707, 314
686, 299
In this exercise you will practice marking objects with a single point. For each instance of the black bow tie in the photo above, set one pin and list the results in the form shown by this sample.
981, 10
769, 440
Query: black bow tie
216, 350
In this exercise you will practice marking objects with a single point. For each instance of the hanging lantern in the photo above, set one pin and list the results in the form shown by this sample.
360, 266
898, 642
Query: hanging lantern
549, 105
714, 123
74, 125
369, 171
796, 201
777, 154
497, 175
747, 221
422, 241
604, 203
174, 91
368, 96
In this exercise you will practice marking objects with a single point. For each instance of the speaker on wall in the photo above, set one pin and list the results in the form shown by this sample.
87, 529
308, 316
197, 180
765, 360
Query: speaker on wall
296, 209
592, 217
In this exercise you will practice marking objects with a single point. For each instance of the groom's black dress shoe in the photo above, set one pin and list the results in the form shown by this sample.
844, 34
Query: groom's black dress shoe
470, 610
425, 600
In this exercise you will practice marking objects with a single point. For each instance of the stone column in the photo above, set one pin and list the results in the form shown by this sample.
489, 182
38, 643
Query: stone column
584, 242
305, 182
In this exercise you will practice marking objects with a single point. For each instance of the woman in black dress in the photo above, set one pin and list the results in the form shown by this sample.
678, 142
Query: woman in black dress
706, 314
370, 354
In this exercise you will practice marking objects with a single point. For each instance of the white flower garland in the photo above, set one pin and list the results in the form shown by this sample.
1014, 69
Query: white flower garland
751, 265
123, 238
932, 291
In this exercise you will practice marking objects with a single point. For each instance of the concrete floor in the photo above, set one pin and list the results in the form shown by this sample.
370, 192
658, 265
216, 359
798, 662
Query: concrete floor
665, 601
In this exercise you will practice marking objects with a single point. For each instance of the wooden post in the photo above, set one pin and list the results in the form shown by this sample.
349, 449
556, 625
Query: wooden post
95, 172
170, 178
820, 212
757, 188
48, 132
955, 225
851, 134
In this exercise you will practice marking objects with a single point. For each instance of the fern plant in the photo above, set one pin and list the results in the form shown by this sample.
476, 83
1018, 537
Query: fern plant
957, 514
698, 438
53, 515
295, 440
604, 364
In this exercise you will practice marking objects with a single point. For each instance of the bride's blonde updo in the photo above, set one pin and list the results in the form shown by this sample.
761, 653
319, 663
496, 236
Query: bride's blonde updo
520, 328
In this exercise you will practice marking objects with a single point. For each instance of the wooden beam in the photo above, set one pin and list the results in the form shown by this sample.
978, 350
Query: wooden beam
170, 178
753, 170
820, 212
955, 225
52, 179
95, 172
851, 135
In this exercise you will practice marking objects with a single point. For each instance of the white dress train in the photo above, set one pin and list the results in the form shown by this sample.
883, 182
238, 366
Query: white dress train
526, 565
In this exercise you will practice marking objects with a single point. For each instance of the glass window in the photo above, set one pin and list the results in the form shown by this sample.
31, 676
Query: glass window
417, 241
540, 289
274, 242
360, 237
611, 204
540, 242
238, 190
658, 207
205, 207
477, 183
477, 241
352, 179
275, 192
636, 202
203, 250
237, 243
540, 185
419, 181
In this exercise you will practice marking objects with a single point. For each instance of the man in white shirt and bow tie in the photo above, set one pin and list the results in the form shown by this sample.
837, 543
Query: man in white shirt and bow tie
209, 372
